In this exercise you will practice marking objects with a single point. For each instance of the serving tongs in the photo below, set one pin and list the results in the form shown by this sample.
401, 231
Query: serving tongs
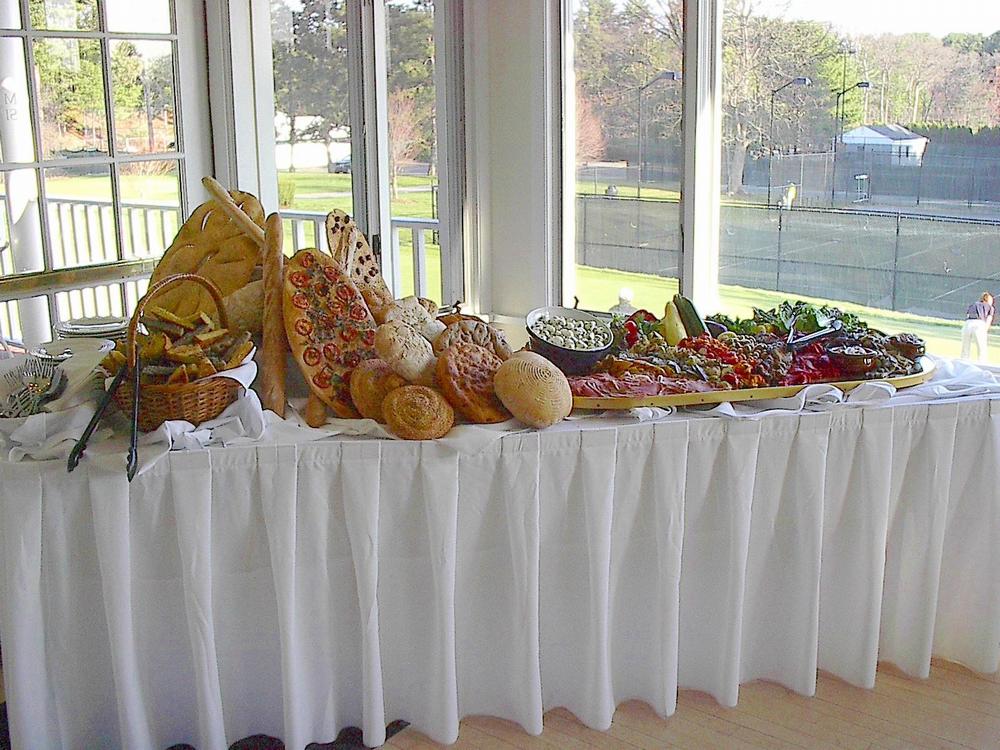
797, 343
132, 462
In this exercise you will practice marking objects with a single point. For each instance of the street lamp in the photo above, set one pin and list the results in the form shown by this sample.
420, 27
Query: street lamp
838, 133
666, 75
800, 81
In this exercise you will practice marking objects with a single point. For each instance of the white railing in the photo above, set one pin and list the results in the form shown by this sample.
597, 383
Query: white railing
82, 234
308, 229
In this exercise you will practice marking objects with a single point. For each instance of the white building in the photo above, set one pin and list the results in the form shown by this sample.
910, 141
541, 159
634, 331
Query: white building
905, 146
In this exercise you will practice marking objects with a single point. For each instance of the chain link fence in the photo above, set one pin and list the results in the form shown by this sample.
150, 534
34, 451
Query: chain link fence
924, 264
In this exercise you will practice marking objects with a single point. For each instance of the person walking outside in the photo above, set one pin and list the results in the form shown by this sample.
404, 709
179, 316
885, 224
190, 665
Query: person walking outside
978, 319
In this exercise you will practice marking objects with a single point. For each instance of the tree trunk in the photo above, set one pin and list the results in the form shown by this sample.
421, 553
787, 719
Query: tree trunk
737, 160
291, 143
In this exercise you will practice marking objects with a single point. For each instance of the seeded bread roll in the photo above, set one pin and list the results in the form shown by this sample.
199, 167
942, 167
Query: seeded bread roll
409, 310
407, 352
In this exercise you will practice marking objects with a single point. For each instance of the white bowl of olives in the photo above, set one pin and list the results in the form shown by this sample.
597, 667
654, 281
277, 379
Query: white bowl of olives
572, 339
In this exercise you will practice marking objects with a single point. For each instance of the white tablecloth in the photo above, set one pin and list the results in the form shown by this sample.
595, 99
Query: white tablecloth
296, 589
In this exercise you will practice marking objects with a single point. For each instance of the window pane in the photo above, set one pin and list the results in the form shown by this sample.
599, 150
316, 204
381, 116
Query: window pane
875, 183
25, 320
64, 15
81, 216
149, 16
311, 118
151, 200
413, 142
90, 302
10, 15
16, 141
142, 81
20, 231
627, 151
71, 89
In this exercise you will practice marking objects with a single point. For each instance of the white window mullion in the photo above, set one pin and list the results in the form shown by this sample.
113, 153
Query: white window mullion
367, 70
449, 86
702, 138
109, 109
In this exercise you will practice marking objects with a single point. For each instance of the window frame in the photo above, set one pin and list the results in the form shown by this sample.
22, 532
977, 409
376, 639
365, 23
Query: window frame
701, 141
367, 64
186, 37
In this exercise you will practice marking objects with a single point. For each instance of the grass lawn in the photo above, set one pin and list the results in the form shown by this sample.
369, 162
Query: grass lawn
598, 288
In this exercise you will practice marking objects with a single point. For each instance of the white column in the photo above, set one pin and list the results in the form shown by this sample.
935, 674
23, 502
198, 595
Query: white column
702, 135
512, 74
16, 145
239, 80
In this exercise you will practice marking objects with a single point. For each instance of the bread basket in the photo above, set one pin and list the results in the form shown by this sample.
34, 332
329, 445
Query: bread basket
195, 402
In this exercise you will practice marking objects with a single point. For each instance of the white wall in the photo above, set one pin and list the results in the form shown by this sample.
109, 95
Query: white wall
510, 153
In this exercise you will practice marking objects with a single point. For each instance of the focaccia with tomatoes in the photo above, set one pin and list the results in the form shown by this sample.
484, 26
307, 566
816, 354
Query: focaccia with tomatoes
330, 330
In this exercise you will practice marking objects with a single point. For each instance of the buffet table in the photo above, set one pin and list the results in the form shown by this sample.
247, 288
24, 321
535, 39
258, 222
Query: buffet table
294, 589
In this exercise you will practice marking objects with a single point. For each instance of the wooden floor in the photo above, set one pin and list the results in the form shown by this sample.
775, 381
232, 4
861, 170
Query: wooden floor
955, 708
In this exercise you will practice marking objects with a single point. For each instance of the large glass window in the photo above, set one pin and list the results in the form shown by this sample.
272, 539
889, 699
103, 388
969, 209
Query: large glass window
626, 145
312, 123
412, 108
312, 80
860, 159
91, 155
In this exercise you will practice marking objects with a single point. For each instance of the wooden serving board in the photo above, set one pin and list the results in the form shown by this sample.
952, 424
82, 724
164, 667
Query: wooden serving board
745, 394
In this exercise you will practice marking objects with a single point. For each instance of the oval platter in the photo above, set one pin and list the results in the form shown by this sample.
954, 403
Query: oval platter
747, 394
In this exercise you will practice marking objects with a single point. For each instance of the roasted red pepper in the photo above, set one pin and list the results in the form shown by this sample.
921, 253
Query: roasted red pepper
631, 329
644, 315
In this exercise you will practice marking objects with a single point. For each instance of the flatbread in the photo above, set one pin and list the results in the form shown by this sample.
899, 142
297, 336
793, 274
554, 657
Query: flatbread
212, 245
349, 247
465, 375
473, 331
329, 328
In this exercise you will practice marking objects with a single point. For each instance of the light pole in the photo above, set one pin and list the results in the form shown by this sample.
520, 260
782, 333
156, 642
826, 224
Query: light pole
666, 75
838, 133
800, 81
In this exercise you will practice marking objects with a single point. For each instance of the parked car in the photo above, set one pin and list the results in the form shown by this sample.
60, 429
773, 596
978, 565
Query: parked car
340, 166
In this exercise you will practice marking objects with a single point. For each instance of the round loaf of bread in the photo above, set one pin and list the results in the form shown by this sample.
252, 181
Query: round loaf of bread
473, 331
534, 390
371, 381
415, 412
407, 352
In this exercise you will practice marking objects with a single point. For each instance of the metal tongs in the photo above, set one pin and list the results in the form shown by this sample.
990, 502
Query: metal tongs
796, 343
132, 462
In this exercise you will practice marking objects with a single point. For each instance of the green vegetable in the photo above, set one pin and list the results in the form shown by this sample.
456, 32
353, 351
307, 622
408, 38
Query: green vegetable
806, 318
693, 324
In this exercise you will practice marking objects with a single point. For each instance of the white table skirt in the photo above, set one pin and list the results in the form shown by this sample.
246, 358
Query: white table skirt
294, 590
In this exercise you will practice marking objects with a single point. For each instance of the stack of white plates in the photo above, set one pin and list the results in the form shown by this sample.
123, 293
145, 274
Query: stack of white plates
112, 328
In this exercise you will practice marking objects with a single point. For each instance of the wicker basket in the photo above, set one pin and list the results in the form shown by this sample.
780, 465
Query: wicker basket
195, 402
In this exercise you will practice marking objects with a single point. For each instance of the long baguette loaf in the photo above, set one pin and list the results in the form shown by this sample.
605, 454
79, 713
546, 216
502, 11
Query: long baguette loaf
275, 343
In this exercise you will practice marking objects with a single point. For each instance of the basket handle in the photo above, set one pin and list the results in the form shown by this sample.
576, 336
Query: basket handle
168, 283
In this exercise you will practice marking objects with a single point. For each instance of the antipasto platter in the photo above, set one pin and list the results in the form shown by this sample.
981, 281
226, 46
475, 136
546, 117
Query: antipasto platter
744, 394
683, 360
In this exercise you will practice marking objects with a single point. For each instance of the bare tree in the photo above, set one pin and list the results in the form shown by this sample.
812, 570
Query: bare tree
590, 140
405, 133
